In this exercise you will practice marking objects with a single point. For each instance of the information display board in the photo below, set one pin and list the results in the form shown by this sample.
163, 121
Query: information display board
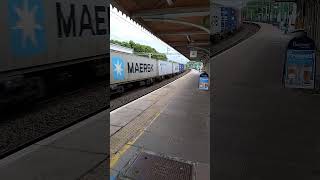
300, 64
204, 81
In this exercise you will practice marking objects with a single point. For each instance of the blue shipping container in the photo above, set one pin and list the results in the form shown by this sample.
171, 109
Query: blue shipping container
181, 67
228, 19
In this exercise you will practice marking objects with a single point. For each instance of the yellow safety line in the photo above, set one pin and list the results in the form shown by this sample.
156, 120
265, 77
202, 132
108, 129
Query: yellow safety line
115, 158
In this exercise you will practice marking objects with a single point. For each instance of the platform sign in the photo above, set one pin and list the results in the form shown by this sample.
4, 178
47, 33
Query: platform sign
204, 81
300, 64
193, 54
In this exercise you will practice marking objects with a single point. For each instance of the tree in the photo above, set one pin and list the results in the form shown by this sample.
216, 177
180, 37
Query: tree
142, 50
193, 64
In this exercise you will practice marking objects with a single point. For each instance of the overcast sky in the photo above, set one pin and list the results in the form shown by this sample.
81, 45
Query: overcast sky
124, 29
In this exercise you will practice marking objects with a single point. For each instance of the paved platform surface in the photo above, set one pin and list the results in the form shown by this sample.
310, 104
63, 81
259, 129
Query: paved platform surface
172, 121
261, 130
67, 155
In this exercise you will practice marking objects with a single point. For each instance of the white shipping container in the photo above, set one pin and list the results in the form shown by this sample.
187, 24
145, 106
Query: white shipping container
175, 67
164, 68
43, 32
126, 68
238, 14
215, 20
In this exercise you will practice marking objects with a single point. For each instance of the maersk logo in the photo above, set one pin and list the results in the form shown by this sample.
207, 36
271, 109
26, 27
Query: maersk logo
118, 68
26, 25
139, 67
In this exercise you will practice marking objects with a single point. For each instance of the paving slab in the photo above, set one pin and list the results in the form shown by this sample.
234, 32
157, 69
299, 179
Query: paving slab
141, 105
180, 147
98, 173
202, 171
123, 116
51, 163
88, 139
114, 129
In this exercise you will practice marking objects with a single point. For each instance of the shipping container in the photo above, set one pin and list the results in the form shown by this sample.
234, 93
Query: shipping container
164, 68
47, 42
215, 13
228, 19
64, 31
238, 15
181, 68
126, 68
175, 67
224, 20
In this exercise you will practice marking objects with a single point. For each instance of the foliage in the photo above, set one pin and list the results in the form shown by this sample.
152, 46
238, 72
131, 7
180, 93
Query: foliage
256, 7
121, 43
193, 65
141, 50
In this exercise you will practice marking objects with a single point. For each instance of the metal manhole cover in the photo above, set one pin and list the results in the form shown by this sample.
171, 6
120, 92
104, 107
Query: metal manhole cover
148, 166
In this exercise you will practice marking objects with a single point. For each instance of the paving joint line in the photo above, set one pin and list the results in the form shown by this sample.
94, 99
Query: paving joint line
69, 149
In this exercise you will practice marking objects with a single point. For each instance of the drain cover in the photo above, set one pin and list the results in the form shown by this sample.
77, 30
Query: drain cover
148, 166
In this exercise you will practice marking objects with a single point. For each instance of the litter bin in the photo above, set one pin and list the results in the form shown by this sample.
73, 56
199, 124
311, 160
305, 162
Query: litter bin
204, 81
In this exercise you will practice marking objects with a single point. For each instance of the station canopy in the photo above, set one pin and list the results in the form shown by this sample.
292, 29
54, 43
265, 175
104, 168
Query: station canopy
183, 24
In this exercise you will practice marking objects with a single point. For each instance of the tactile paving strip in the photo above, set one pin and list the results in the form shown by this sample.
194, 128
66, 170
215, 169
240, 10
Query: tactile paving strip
152, 167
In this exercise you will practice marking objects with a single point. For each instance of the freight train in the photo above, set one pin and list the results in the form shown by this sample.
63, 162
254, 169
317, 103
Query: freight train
128, 68
47, 42
224, 21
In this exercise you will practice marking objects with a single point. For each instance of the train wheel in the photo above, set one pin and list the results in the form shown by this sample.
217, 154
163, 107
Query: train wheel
149, 82
120, 89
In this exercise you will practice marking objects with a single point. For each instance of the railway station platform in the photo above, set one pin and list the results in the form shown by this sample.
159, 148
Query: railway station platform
163, 134
261, 129
69, 154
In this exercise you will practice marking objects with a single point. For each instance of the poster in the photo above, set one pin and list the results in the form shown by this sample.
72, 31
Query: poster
300, 69
204, 83
300, 66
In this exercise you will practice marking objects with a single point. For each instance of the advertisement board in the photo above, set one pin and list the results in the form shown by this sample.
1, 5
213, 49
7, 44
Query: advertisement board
204, 81
300, 64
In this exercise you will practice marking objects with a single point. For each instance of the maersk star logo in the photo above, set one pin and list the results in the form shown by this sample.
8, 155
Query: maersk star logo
118, 68
26, 24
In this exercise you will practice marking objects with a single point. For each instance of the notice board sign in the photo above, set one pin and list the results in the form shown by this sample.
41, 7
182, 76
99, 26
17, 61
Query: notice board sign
193, 54
204, 81
300, 64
